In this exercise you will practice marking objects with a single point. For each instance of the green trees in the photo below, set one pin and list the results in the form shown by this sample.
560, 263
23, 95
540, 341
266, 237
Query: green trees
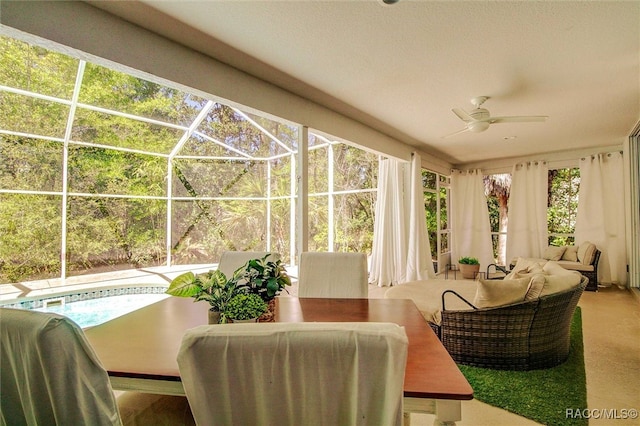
562, 207
129, 167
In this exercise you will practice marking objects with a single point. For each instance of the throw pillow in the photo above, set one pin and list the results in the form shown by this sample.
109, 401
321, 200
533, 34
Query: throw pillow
570, 254
586, 251
536, 284
554, 268
490, 293
554, 252
558, 283
527, 264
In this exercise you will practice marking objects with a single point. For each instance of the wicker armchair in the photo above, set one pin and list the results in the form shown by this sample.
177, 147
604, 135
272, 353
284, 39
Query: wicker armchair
522, 336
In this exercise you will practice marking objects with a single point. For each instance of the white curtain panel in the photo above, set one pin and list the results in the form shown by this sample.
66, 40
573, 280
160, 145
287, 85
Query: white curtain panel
600, 217
527, 233
419, 261
469, 214
389, 253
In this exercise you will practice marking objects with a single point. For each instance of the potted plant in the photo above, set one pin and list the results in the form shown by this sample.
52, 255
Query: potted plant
245, 307
469, 266
212, 287
266, 278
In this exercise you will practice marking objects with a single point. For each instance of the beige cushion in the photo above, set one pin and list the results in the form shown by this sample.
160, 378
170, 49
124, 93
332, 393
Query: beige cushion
534, 270
526, 265
554, 253
586, 251
570, 254
536, 284
558, 283
492, 293
559, 279
427, 295
554, 268
575, 266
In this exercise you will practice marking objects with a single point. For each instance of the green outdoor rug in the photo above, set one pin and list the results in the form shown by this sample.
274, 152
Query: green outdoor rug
540, 395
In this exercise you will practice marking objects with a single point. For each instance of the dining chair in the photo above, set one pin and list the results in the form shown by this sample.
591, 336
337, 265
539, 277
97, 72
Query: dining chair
295, 373
50, 375
230, 261
328, 274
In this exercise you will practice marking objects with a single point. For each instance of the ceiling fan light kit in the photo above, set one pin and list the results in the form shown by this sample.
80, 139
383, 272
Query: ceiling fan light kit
478, 126
479, 119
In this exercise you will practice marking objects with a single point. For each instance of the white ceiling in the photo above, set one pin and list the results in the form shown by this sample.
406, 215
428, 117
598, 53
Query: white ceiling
401, 68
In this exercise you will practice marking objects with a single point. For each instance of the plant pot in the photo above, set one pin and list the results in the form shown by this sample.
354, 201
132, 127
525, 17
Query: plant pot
214, 317
269, 316
469, 271
237, 321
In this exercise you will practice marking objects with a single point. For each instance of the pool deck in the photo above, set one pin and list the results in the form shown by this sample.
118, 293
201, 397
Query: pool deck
161, 275
153, 277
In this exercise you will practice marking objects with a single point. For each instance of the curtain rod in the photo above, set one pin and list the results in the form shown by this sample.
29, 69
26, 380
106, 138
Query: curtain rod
593, 156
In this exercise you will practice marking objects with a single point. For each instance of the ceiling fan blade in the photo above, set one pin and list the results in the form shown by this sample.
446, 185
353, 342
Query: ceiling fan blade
462, 115
466, 129
516, 119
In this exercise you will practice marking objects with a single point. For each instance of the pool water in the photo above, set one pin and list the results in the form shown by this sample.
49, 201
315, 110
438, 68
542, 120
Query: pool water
88, 313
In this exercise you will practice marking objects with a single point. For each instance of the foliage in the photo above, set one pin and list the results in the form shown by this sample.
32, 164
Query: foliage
229, 181
468, 261
245, 306
563, 203
212, 287
266, 278
434, 198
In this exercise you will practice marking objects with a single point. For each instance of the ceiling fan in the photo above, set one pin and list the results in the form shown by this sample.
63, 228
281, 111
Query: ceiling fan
479, 119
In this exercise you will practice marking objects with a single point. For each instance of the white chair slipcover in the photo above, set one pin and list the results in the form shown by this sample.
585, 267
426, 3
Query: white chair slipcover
295, 373
328, 274
50, 375
230, 261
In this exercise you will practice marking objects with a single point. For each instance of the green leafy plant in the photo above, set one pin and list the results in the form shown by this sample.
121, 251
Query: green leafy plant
266, 278
212, 287
245, 306
468, 261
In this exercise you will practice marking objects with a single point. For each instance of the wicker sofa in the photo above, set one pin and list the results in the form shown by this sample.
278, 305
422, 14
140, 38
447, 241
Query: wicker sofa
583, 258
521, 336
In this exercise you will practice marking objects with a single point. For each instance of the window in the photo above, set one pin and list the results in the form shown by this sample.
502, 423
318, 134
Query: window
563, 205
496, 189
102, 170
342, 194
561, 209
436, 200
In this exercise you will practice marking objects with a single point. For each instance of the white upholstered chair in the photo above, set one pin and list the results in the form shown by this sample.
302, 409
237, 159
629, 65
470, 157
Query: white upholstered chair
295, 373
50, 375
341, 275
230, 261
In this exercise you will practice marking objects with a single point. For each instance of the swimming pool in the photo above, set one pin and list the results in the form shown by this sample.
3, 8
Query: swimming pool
88, 313
91, 308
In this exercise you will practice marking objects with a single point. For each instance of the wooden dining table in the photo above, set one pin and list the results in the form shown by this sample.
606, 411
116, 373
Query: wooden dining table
139, 350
